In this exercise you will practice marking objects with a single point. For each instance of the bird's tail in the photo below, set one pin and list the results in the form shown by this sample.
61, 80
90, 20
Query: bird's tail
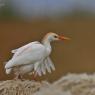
8, 71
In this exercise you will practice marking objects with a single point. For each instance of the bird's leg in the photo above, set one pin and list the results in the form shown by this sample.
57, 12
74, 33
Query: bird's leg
18, 77
34, 76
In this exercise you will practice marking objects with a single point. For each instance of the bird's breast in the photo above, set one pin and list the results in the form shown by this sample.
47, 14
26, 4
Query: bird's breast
48, 51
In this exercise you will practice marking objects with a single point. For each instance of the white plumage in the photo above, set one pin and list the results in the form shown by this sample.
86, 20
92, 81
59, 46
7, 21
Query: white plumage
33, 58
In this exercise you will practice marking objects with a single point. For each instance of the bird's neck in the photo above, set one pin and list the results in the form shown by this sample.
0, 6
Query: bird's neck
47, 44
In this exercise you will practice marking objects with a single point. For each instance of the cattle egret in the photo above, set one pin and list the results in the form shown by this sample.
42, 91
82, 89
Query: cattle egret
33, 58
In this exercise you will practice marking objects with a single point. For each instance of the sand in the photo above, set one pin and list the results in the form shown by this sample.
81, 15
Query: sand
71, 84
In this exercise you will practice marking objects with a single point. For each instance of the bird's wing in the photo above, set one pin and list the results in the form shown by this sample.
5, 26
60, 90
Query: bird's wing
38, 72
43, 69
21, 50
30, 53
39, 69
50, 63
47, 65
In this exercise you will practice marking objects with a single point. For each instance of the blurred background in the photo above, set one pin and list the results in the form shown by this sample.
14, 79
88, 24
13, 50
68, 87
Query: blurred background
23, 21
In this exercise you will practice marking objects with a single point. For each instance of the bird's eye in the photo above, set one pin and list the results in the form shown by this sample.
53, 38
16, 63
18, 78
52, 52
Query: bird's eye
55, 36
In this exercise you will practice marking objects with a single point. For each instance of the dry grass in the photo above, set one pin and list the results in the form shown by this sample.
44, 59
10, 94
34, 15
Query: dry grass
71, 84
17, 87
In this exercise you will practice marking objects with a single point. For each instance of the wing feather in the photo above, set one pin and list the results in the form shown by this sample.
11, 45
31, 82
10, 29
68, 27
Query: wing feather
43, 69
50, 63
47, 66
40, 68
38, 71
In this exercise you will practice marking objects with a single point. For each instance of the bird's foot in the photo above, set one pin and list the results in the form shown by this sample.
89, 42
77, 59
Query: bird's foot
19, 77
34, 78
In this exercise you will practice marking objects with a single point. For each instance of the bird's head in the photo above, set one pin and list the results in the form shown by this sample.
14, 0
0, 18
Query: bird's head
54, 37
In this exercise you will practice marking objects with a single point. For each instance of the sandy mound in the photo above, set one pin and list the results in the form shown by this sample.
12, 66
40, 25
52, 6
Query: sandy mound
76, 84
71, 84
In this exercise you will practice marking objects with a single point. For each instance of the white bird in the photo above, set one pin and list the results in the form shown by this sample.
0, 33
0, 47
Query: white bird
33, 58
